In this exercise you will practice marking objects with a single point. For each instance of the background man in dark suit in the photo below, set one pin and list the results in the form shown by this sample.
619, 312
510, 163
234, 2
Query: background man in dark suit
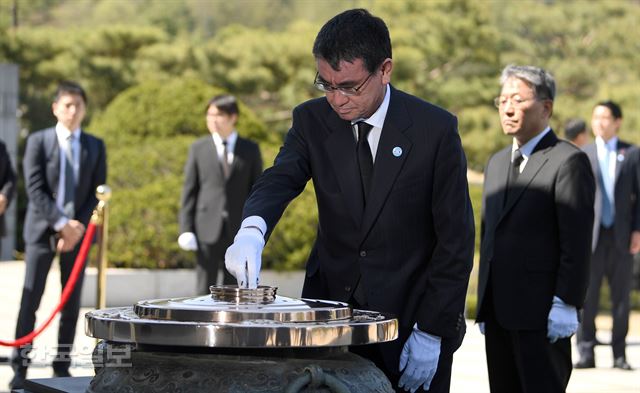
63, 165
616, 231
7, 185
395, 229
219, 173
537, 213
575, 131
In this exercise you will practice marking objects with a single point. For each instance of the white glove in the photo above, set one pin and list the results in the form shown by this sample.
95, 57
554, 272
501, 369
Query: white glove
481, 327
563, 320
244, 257
419, 360
188, 242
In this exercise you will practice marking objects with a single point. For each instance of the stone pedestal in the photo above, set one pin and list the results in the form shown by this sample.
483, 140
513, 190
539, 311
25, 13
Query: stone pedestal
155, 369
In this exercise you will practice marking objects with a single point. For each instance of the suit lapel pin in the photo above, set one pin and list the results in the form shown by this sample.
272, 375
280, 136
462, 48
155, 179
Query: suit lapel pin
397, 151
620, 157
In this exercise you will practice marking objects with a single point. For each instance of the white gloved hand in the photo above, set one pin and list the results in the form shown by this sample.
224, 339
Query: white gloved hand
419, 360
188, 242
244, 257
563, 320
481, 327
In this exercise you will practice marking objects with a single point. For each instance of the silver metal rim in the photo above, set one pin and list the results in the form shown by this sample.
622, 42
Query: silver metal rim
204, 309
123, 325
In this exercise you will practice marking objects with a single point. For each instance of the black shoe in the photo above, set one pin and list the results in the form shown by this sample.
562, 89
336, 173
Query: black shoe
585, 363
622, 364
17, 382
62, 373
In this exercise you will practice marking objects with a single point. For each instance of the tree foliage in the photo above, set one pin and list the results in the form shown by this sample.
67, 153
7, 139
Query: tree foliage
146, 65
147, 130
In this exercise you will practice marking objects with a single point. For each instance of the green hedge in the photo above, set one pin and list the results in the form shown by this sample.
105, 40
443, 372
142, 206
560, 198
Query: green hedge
148, 130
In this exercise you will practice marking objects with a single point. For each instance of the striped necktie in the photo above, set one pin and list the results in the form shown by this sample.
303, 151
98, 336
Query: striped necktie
226, 169
69, 178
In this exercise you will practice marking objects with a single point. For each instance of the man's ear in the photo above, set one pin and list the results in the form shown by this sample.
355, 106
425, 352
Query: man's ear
548, 107
618, 123
386, 69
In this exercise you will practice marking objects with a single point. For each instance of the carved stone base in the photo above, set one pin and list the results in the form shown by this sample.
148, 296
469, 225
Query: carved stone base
127, 368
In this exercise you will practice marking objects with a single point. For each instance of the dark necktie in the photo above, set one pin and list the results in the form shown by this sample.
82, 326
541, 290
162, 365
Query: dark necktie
365, 160
226, 170
516, 160
69, 179
514, 172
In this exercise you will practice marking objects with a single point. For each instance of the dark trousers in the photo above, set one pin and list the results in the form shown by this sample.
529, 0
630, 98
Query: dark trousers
524, 360
375, 352
607, 260
38, 258
210, 259
441, 381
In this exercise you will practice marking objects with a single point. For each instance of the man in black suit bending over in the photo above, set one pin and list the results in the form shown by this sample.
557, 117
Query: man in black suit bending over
395, 231
63, 165
537, 213
218, 176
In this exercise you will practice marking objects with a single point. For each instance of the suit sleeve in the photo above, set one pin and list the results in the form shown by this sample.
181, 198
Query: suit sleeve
190, 191
442, 309
8, 180
34, 166
282, 182
575, 193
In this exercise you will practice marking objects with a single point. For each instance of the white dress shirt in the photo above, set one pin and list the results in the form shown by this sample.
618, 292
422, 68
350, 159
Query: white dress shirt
527, 148
603, 149
377, 121
231, 145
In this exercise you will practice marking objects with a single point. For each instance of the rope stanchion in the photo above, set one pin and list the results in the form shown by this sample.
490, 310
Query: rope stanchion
66, 292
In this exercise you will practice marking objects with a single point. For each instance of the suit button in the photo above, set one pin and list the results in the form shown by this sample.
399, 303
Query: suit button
55, 195
363, 254
347, 288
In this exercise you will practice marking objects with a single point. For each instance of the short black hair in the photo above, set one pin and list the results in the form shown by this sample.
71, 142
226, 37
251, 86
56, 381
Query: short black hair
573, 128
615, 109
69, 87
353, 34
226, 103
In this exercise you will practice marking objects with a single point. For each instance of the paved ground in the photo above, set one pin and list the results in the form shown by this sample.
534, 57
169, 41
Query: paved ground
469, 366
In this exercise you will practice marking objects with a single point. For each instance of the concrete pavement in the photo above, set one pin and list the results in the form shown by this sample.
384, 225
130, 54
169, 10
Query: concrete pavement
469, 366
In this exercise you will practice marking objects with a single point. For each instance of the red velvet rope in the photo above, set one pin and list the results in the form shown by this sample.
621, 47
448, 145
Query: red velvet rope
66, 292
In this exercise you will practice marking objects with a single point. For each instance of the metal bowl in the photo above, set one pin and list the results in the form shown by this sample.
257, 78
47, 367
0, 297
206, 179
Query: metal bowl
233, 317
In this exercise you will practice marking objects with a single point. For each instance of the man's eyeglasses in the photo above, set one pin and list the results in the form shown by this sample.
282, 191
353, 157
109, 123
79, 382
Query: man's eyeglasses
517, 102
345, 91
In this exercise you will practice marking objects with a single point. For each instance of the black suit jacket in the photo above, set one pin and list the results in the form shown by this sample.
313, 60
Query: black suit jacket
41, 165
206, 195
626, 192
412, 245
7, 182
536, 244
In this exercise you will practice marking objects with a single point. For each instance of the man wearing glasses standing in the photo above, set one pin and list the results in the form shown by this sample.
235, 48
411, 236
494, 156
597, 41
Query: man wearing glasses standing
537, 213
395, 230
